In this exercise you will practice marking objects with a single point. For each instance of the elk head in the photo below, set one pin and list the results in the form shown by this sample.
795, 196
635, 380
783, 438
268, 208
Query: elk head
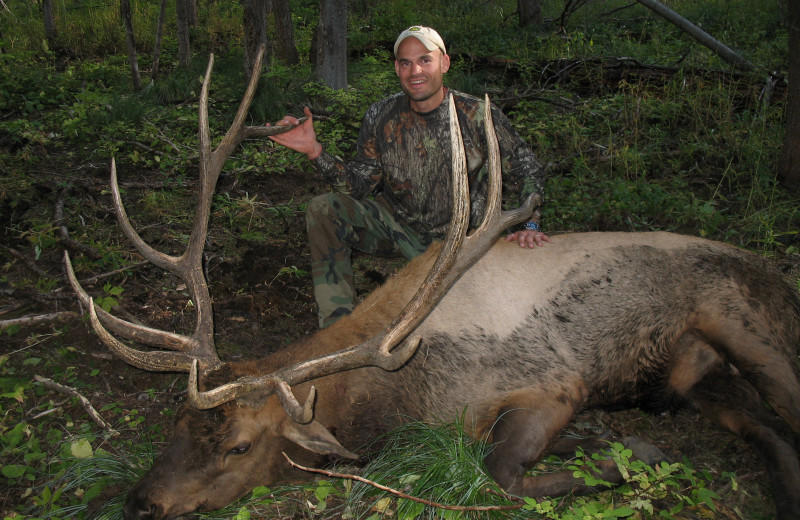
241, 416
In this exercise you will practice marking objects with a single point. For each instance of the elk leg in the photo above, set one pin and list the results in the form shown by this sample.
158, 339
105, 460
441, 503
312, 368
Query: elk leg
734, 404
521, 435
770, 366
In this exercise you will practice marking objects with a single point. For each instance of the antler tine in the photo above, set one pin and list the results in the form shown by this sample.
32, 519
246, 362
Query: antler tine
441, 275
458, 253
155, 361
133, 331
188, 266
495, 220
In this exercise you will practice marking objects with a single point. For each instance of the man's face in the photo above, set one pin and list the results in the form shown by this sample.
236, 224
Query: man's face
421, 74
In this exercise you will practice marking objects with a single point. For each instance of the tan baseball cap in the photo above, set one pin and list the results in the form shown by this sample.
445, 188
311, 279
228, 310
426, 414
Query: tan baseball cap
429, 38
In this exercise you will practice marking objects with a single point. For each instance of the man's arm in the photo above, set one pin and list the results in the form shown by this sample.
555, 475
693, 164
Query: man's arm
523, 173
357, 177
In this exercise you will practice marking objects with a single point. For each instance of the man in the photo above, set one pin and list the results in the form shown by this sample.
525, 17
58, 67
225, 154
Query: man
404, 161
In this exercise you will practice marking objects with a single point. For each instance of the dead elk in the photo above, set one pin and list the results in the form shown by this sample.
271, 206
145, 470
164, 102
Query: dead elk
521, 340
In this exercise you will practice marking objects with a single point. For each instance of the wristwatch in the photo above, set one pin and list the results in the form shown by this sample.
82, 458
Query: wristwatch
533, 226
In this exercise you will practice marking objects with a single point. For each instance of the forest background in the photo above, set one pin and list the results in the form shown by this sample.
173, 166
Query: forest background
640, 127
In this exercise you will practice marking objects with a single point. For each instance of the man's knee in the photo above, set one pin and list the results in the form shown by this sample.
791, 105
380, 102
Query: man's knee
324, 208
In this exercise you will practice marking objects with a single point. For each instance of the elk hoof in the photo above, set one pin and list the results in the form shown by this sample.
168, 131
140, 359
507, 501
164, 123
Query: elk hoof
644, 451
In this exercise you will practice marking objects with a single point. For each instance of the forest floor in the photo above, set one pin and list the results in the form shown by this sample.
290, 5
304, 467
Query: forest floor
260, 306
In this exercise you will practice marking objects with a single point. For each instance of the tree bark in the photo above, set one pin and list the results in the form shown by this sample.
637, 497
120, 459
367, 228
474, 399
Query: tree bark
192, 15
530, 12
332, 43
50, 30
254, 18
285, 48
789, 163
159, 33
184, 43
698, 34
127, 19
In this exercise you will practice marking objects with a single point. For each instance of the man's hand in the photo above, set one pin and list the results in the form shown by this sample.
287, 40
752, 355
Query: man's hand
528, 238
301, 139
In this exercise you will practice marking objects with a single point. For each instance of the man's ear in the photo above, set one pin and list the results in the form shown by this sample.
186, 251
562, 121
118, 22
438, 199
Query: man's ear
445, 63
397, 68
315, 437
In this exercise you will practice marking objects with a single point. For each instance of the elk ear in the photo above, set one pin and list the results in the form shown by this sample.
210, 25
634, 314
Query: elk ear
315, 437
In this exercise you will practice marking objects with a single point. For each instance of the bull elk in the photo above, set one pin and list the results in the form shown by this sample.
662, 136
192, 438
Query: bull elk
521, 340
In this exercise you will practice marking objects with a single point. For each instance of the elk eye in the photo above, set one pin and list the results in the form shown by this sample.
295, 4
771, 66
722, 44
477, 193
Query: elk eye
241, 449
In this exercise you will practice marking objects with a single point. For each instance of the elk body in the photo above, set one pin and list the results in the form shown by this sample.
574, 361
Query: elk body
516, 341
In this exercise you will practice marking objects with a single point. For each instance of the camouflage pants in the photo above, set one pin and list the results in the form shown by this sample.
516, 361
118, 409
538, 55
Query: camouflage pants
337, 224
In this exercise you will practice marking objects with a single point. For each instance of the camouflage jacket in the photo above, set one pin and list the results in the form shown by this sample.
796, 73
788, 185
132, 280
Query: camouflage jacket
404, 157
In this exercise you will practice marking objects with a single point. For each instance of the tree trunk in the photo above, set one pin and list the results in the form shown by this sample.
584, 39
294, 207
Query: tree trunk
127, 19
698, 34
254, 17
530, 12
191, 13
157, 45
50, 31
789, 164
332, 43
285, 48
184, 43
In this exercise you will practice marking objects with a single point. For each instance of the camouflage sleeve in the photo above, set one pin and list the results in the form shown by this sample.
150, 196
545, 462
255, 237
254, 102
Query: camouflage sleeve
361, 175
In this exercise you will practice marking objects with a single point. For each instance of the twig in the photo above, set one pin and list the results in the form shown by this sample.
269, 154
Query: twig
38, 319
87, 406
400, 494
92, 279
68, 241
27, 262
45, 413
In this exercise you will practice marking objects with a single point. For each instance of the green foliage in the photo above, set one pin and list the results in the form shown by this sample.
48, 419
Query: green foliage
109, 301
438, 463
662, 491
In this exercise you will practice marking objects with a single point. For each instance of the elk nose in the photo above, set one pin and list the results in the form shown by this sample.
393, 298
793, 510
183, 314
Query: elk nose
139, 509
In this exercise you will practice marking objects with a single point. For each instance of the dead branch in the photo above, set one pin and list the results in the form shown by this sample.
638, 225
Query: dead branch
399, 493
27, 262
97, 278
68, 241
87, 406
39, 319
698, 34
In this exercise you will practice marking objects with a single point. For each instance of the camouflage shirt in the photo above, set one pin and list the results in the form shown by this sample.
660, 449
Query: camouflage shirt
404, 157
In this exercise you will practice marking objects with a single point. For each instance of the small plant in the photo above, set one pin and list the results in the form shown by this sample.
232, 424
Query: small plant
109, 301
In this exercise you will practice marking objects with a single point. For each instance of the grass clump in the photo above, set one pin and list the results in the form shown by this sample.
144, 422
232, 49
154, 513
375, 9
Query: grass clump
440, 463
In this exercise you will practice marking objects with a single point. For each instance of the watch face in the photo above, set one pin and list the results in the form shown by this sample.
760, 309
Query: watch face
533, 226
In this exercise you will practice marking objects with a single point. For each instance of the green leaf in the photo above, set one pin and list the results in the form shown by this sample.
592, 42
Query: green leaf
17, 394
409, 510
14, 470
12, 329
323, 490
81, 449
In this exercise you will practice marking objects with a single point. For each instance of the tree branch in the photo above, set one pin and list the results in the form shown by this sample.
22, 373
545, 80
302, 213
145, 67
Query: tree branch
698, 34
87, 406
400, 494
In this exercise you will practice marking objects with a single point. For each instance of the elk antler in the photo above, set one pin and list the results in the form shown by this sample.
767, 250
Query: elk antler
458, 253
188, 267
